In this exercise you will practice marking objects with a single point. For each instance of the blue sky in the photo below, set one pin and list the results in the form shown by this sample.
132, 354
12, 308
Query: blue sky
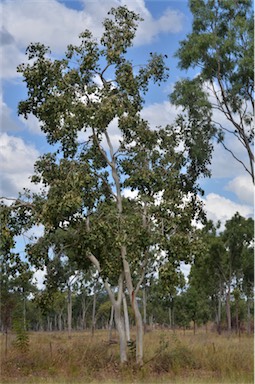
58, 23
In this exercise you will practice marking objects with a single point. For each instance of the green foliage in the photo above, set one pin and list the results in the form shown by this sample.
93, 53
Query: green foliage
226, 265
84, 211
22, 338
15, 274
221, 47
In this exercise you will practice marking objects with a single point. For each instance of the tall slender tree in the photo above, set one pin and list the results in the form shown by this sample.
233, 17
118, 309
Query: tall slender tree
220, 46
84, 209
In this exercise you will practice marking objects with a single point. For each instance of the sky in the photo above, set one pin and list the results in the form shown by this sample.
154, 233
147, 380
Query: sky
57, 24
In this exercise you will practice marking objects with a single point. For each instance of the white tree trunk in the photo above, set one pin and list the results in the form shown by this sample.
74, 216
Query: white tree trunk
117, 309
126, 318
121, 331
144, 309
126, 268
137, 313
139, 334
111, 323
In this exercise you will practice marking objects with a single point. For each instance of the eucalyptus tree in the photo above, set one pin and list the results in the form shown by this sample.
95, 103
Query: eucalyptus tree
15, 273
238, 238
171, 280
220, 46
60, 272
208, 270
225, 267
79, 100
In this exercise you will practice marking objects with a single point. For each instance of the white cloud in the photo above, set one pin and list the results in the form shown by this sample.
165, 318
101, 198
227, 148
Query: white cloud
220, 208
39, 277
49, 22
170, 22
7, 123
223, 162
185, 268
52, 23
130, 194
243, 187
32, 124
10, 57
160, 114
17, 161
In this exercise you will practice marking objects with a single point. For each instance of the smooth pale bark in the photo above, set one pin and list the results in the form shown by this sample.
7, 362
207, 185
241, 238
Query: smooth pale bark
144, 310
126, 318
119, 321
111, 323
126, 268
121, 331
139, 334
134, 304
117, 309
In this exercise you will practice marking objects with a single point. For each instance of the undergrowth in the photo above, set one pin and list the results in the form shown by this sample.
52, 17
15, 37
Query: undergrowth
169, 357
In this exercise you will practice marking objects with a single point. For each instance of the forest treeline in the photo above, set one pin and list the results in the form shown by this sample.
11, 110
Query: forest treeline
218, 292
109, 256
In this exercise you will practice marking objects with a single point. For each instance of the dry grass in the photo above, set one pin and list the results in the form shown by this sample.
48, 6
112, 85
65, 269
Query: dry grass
53, 358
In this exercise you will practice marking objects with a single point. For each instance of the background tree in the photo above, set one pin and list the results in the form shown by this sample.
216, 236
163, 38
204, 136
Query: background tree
207, 273
238, 237
220, 270
221, 47
15, 273
171, 281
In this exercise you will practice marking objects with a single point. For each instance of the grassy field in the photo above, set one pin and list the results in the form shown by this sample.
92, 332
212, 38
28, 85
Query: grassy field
204, 358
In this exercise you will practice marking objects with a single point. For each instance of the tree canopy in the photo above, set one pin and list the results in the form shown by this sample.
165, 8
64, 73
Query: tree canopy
220, 47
